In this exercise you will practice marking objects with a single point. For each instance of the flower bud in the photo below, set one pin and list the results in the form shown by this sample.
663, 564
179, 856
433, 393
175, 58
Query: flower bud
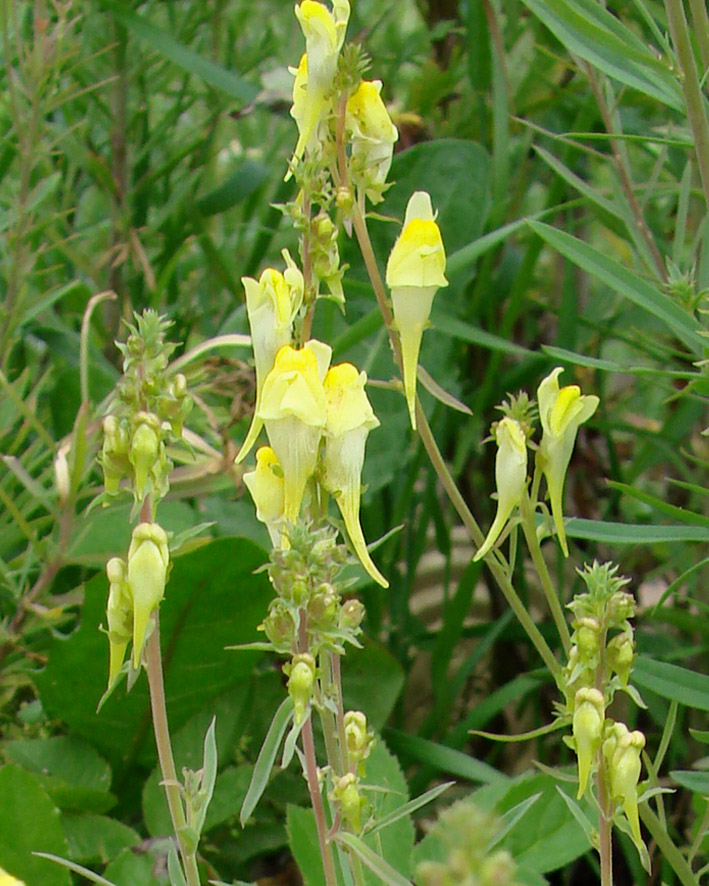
620, 655
322, 608
561, 412
359, 740
279, 626
588, 640
510, 477
144, 452
351, 614
301, 680
372, 138
414, 273
624, 773
119, 614
350, 800
587, 730
148, 560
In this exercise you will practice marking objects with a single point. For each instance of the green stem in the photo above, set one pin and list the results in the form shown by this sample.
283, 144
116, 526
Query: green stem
605, 801
700, 22
530, 533
311, 774
669, 851
167, 763
690, 86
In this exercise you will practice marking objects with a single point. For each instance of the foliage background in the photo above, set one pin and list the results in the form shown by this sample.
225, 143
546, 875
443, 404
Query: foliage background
143, 146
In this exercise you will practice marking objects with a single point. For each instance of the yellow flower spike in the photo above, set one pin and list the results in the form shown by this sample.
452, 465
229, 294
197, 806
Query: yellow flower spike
415, 271
510, 477
148, 560
294, 411
350, 418
267, 488
272, 303
561, 412
372, 137
625, 769
119, 614
324, 33
587, 728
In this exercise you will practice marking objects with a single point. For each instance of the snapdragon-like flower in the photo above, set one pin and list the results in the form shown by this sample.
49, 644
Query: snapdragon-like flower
510, 477
587, 725
272, 303
148, 561
622, 750
350, 418
415, 271
324, 33
293, 409
267, 488
561, 412
372, 137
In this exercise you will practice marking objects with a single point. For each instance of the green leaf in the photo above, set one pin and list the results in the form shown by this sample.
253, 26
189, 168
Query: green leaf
266, 758
383, 871
212, 599
701, 735
590, 31
444, 759
131, 869
29, 822
303, 842
625, 283
512, 816
241, 184
90, 875
682, 515
408, 808
209, 774
185, 58
697, 782
96, 838
631, 534
673, 682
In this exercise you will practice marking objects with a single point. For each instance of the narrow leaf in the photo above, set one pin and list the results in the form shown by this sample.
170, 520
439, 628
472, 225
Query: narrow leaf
410, 807
374, 862
266, 758
578, 814
673, 682
174, 868
512, 816
443, 758
77, 868
440, 393
209, 773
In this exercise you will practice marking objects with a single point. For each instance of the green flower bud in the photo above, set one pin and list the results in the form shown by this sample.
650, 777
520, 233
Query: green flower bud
351, 614
587, 729
144, 452
279, 626
359, 740
119, 614
350, 800
624, 772
620, 654
148, 560
344, 200
322, 607
300, 683
588, 640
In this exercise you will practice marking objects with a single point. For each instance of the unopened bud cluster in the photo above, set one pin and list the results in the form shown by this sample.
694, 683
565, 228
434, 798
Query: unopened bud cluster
148, 410
347, 790
467, 832
600, 663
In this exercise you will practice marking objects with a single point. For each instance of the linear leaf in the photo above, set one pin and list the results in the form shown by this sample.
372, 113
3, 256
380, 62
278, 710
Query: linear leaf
672, 681
625, 283
215, 75
374, 862
512, 816
631, 534
410, 807
590, 31
77, 868
443, 758
266, 758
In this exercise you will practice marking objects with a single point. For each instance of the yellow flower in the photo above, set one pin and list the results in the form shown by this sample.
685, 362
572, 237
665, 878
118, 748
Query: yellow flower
293, 410
265, 483
561, 412
8, 880
272, 303
119, 614
510, 477
148, 560
324, 33
415, 271
372, 137
350, 418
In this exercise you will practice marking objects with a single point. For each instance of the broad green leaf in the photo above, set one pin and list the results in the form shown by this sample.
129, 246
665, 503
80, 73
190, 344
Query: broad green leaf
443, 758
303, 842
697, 782
29, 822
74, 775
626, 283
212, 599
131, 869
96, 838
266, 758
590, 31
161, 41
673, 682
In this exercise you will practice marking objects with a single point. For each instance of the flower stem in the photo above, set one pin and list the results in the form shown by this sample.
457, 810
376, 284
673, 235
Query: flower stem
167, 763
311, 774
530, 533
605, 802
